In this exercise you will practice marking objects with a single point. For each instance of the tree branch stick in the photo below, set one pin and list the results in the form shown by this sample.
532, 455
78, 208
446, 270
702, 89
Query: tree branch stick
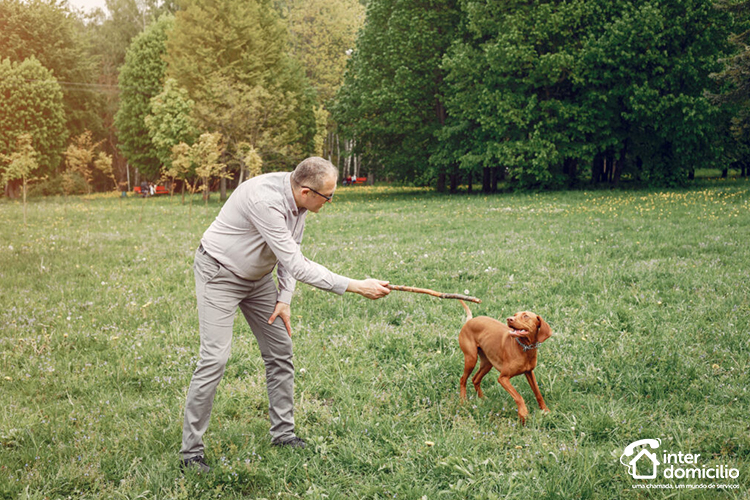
400, 288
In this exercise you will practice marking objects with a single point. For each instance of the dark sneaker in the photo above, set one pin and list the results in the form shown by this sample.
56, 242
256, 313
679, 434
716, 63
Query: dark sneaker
294, 442
198, 464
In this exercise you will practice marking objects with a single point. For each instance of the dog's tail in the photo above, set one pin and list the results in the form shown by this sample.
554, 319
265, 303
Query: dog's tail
466, 308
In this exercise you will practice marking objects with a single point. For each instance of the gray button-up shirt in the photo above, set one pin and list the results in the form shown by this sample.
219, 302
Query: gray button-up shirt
260, 226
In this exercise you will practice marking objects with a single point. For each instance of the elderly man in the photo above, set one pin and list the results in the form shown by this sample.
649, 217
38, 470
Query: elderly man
260, 226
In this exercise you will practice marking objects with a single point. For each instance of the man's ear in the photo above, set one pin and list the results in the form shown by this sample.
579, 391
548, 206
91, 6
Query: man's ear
544, 332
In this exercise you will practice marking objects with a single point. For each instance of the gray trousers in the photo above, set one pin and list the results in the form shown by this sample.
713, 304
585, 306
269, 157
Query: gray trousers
220, 292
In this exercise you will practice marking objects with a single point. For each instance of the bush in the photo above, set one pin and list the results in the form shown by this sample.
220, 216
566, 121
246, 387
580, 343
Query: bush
55, 185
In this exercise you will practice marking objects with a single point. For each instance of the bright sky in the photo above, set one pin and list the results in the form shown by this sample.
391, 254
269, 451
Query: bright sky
88, 5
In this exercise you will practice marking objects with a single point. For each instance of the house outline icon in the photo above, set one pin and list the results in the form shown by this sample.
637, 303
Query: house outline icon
633, 464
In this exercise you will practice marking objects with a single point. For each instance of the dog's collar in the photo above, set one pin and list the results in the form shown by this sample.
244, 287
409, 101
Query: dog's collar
527, 347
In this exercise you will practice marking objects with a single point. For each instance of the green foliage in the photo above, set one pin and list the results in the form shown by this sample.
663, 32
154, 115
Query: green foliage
512, 100
81, 158
206, 154
554, 92
252, 114
19, 165
140, 80
181, 166
170, 121
321, 33
21, 162
31, 102
645, 70
392, 101
103, 164
231, 56
547, 88
251, 160
735, 92
48, 31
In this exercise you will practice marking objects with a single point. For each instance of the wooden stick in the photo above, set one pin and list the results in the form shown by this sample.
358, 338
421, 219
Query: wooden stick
400, 288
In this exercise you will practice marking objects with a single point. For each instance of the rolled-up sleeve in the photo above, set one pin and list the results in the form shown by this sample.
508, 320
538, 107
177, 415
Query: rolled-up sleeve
271, 224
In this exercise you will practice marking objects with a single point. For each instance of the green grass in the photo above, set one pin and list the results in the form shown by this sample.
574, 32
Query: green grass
646, 292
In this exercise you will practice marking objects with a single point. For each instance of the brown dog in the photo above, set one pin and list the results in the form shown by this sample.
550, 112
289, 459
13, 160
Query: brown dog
510, 348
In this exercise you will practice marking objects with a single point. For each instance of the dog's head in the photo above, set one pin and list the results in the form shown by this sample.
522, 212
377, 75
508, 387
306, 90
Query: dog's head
529, 325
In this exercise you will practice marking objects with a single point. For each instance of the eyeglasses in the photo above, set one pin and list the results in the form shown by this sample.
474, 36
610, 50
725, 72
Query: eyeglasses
328, 198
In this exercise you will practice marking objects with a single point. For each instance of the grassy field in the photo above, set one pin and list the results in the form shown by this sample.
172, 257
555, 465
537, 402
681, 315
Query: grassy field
647, 293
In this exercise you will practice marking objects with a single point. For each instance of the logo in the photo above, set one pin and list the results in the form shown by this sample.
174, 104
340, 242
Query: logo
645, 460
643, 456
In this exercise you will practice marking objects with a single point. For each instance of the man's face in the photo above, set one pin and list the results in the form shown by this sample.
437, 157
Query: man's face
314, 201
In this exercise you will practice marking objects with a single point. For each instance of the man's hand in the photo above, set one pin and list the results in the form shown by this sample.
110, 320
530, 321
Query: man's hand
370, 288
283, 311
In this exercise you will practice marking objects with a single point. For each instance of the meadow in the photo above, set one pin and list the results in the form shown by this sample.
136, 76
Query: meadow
647, 293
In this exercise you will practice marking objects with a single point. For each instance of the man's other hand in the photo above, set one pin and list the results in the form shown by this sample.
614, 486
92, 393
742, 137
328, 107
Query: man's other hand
283, 311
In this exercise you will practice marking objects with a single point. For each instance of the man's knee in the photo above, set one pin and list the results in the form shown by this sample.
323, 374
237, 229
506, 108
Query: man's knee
279, 362
215, 361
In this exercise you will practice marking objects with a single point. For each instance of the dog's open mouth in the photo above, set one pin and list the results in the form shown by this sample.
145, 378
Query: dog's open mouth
518, 333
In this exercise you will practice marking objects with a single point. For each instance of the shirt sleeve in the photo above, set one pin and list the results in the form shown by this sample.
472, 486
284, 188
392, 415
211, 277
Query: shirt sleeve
287, 284
270, 223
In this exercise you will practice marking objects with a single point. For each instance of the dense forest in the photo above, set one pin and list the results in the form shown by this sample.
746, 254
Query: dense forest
203, 94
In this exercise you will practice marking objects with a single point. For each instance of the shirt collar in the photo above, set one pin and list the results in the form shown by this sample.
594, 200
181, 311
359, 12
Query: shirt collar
289, 196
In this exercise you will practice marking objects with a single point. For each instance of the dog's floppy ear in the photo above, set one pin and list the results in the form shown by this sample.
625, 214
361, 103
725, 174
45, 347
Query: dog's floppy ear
544, 332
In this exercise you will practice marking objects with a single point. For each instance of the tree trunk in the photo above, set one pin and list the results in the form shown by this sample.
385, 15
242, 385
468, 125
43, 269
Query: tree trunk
470, 180
494, 171
598, 169
24, 200
440, 183
570, 169
454, 180
486, 179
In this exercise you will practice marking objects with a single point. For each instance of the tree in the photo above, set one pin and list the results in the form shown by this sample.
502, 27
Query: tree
320, 33
111, 34
81, 158
19, 165
646, 71
31, 101
544, 88
49, 32
734, 96
251, 161
103, 164
392, 101
171, 121
513, 102
141, 79
181, 167
231, 56
206, 155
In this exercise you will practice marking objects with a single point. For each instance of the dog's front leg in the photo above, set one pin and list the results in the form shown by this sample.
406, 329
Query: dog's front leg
537, 393
523, 412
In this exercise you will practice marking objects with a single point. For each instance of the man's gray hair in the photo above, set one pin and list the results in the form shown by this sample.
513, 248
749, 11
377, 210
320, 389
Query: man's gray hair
313, 171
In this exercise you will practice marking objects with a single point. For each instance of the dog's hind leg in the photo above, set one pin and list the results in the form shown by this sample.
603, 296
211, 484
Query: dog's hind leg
484, 368
470, 361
